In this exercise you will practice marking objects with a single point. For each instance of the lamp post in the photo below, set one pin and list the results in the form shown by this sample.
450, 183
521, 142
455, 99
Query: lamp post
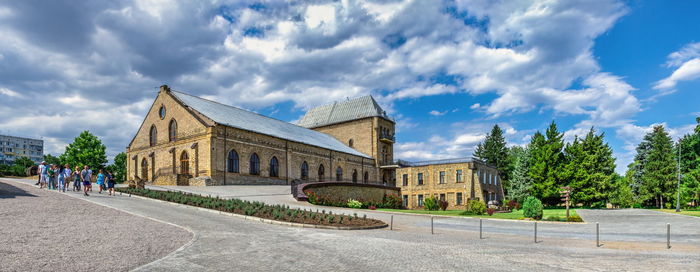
678, 196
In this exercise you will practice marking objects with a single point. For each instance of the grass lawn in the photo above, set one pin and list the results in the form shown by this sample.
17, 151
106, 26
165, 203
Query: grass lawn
683, 212
516, 215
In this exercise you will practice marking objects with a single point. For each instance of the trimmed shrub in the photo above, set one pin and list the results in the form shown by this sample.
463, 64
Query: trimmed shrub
354, 204
431, 204
475, 207
575, 218
392, 201
490, 211
532, 208
513, 205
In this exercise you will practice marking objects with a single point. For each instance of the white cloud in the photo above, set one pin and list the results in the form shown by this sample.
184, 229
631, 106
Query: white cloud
687, 71
8, 92
437, 113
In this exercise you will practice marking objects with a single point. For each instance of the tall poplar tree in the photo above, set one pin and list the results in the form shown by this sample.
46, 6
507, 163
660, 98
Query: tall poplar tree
545, 164
493, 151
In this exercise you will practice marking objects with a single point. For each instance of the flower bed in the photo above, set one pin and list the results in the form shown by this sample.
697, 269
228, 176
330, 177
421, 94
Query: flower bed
258, 209
389, 201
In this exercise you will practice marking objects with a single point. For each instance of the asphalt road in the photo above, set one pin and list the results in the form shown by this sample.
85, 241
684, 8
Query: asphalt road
227, 243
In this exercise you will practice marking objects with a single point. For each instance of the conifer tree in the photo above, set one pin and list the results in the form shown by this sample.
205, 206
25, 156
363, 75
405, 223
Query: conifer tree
658, 175
493, 151
520, 185
690, 166
545, 164
589, 169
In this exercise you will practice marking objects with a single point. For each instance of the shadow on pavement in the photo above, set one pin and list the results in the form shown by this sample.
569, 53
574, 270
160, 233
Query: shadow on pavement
10, 191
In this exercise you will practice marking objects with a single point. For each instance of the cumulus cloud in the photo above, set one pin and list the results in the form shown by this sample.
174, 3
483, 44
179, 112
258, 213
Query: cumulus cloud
106, 59
687, 66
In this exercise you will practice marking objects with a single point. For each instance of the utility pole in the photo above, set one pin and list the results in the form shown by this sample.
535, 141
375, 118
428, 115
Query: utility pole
565, 194
678, 196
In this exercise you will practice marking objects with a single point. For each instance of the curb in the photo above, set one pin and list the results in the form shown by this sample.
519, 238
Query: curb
264, 220
475, 218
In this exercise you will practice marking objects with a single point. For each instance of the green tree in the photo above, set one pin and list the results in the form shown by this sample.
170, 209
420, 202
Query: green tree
658, 174
51, 159
589, 169
520, 185
621, 195
690, 166
118, 168
23, 162
546, 162
86, 149
493, 151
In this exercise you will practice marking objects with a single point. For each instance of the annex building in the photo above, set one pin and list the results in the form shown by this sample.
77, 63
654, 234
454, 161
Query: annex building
188, 140
454, 180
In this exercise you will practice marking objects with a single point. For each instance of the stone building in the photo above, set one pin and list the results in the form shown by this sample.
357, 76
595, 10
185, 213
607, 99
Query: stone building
187, 140
453, 180
361, 124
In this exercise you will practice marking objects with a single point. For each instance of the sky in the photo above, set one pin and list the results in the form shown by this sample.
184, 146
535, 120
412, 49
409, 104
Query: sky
447, 71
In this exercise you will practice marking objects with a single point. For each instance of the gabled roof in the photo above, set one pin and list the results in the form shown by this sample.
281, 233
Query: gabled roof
338, 112
250, 121
403, 163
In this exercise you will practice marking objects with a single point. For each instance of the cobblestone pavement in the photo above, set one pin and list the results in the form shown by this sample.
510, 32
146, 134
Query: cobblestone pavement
48, 231
227, 243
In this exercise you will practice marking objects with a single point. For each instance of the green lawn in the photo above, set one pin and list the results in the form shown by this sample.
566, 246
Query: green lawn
691, 213
516, 215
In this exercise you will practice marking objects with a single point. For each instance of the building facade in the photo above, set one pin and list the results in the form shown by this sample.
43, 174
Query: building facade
361, 124
12, 147
187, 140
455, 181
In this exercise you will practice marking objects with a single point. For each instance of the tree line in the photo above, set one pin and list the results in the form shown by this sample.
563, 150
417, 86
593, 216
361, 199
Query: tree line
587, 166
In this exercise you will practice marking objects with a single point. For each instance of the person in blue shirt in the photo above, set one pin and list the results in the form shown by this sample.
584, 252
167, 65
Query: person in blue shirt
110, 182
101, 180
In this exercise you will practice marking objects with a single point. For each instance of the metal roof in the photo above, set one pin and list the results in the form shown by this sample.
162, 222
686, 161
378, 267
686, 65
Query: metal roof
343, 111
246, 120
434, 162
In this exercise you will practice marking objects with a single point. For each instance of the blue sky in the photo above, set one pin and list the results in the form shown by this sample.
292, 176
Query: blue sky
446, 70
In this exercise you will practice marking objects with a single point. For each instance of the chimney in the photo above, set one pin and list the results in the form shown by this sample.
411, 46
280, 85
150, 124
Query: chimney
165, 88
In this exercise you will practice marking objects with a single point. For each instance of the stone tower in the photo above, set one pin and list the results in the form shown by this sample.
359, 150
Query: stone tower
361, 124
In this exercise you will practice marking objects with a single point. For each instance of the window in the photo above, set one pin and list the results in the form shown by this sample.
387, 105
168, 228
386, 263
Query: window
254, 164
420, 200
490, 178
366, 178
495, 179
321, 172
442, 197
354, 176
144, 169
405, 200
153, 135
339, 174
274, 167
459, 198
442, 177
351, 143
459, 176
184, 163
420, 178
304, 171
404, 178
233, 161
172, 131
161, 112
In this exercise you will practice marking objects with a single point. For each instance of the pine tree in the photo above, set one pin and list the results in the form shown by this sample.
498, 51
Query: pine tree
621, 195
86, 149
690, 166
546, 162
658, 169
589, 169
493, 151
520, 185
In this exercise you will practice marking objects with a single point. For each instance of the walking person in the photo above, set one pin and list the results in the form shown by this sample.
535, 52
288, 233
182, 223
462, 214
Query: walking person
67, 176
110, 183
101, 180
76, 179
89, 176
60, 178
43, 174
85, 176
52, 177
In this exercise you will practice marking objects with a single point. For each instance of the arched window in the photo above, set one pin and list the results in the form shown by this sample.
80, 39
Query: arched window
354, 176
153, 135
144, 169
184, 163
304, 171
172, 131
233, 161
366, 179
321, 172
254, 164
339, 174
274, 167
351, 143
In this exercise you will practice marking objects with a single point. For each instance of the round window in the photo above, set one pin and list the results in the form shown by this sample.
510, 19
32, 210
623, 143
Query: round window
162, 112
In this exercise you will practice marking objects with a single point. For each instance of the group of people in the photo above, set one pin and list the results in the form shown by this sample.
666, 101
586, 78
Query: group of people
58, 177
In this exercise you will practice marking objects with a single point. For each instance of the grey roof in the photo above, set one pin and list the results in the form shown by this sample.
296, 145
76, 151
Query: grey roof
246, 120
338, 112
434, 162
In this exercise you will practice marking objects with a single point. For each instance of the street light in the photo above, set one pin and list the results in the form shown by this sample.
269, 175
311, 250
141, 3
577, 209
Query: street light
678, 197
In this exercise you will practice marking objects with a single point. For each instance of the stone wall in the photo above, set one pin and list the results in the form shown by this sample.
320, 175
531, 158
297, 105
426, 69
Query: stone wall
342, 191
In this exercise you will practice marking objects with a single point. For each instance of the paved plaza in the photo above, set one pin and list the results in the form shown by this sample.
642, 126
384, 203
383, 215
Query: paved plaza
227, 243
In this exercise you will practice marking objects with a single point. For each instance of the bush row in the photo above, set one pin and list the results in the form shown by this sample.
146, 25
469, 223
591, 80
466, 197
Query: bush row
257, 209
389, 201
